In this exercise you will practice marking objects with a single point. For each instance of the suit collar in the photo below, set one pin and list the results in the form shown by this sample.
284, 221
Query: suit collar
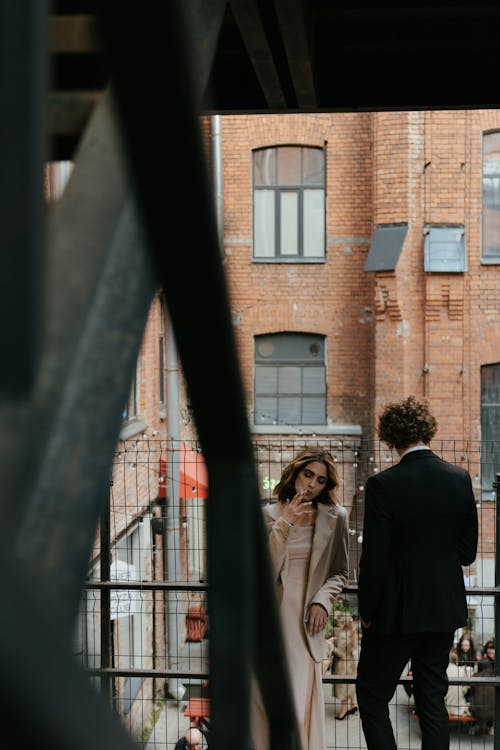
416, 455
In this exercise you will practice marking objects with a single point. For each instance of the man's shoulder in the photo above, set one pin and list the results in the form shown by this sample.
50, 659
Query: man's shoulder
449, 465
379, 476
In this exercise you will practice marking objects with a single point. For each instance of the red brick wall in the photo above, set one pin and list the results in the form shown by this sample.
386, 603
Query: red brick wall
439, 328
388, 334
330, 298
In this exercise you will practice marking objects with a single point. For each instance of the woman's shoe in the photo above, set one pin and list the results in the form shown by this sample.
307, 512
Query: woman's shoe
353, 710
341, 718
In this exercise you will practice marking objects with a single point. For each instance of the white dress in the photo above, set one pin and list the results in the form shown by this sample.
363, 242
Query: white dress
305, 673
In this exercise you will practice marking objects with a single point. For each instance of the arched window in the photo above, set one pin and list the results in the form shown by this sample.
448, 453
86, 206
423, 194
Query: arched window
289, 204
491, 198
290, 379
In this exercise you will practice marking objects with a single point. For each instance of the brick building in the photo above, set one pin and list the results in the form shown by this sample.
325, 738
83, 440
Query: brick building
362, 254
427, 321
362, 258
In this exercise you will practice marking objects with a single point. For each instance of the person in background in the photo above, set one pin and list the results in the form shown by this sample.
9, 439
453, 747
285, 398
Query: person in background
192, 740
420, 527
466, 653
345, 658
308, 541
482, 697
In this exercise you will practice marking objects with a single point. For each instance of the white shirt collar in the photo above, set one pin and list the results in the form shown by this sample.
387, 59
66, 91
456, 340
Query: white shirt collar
421, 447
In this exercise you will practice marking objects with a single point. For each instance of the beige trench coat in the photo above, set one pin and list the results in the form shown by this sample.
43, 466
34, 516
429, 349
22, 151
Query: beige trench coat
328, 566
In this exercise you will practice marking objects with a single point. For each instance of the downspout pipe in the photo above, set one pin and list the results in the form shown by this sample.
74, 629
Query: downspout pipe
217, 177
171, 558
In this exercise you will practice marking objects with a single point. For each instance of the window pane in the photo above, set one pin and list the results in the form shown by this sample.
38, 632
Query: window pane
491, 145
313, 166
289, 223
490, 425
289, 165
491, 232
313, 411
264, 223
314, 223
314, 380
289, 380
289, 410
491, 194
266, 379
264, 162
161, 365
265, 410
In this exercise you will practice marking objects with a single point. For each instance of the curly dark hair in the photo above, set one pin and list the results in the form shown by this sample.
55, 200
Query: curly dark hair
285, 489
407, 422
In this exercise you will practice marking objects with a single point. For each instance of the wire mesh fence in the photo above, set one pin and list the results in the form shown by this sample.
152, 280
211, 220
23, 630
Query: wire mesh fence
143, 631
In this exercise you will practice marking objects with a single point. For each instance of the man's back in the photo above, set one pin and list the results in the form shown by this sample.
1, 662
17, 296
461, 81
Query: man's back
420, 528
421, 515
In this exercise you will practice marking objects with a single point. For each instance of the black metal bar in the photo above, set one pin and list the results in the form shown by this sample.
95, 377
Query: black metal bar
92, 344
159, 68
141, 83
496, 487
105, 609
118, 672
23, 85
327, 680
142, 586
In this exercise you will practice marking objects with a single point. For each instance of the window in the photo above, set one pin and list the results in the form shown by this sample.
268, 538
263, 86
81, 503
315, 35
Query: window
132, 423
161, 373
491, 198
290, 379
131, 407
130, 608
490, 428
289, 204
444, 249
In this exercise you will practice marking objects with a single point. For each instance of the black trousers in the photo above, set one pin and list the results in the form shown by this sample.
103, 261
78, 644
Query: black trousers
381, 663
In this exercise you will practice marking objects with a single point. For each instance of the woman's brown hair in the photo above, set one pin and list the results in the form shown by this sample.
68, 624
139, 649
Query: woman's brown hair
285, 489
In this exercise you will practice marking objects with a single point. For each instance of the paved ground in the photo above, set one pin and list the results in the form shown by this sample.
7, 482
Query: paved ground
342, 735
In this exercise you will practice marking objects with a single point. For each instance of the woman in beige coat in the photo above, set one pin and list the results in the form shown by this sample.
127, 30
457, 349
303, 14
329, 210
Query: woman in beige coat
308, 539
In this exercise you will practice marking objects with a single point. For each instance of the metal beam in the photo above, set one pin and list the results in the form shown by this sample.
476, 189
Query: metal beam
293, 31
23, 84
248, 19
75, 34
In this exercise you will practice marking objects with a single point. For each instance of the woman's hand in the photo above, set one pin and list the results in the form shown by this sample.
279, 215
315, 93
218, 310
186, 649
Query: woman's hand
297, 507
316, 619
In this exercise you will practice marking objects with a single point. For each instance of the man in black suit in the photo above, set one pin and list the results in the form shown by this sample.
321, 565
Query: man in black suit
420, 527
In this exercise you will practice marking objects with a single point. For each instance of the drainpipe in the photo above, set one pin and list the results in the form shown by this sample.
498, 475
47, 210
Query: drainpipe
218, 185
172, 562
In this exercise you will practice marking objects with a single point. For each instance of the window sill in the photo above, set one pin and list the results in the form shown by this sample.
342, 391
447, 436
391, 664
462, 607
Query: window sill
132, 427
305, 429
494, 261
289, 260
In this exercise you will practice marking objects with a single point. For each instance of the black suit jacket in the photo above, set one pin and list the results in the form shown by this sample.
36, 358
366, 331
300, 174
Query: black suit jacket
420, 527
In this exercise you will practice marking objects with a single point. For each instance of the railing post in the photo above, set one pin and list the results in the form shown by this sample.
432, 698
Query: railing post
496, 487
105, 594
